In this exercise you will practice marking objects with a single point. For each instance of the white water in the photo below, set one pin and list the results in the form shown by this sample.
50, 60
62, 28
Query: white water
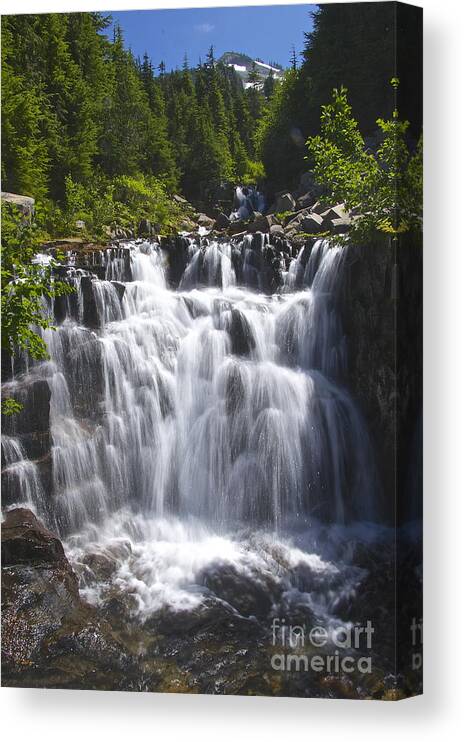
194, 414
247, 200
20, 476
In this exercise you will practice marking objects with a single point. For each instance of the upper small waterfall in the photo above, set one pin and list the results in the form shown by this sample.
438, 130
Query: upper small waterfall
247, 200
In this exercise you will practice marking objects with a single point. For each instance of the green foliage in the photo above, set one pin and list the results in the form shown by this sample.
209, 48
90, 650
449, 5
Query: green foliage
254, 173
384, 188
11, 406
282, 216
79, 106
279, 142
105, 203
350, 45
25, 286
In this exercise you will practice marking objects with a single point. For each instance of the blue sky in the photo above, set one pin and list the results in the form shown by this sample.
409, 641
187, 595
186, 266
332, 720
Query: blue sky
267, 32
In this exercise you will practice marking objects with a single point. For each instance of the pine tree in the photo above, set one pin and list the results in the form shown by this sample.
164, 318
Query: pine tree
293, 59
269, 85
25, 161
253, 76
127, 117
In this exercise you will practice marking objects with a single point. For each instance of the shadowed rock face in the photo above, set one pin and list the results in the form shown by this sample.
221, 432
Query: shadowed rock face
50, 637
381, 305
26, 541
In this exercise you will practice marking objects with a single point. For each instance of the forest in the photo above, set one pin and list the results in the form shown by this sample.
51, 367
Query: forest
80, 110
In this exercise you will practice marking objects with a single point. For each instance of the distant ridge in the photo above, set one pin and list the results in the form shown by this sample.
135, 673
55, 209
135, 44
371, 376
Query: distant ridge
243, 63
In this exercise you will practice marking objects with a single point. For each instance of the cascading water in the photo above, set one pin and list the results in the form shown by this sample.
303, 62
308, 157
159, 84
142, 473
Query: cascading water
247, 200
202, 424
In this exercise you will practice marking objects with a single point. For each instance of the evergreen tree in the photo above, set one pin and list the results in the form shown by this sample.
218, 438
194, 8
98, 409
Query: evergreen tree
25, 161
253, 76
269, 85
127, 117
293, 59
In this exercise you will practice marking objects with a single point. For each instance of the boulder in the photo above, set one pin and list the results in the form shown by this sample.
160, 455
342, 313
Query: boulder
340, 226
187, 225
262, 223
222, 221
248, 596
284, 202
312, 224
120, 289
50, 636
335, 212
318, 208
144, 228
276, 229
25, 540
238, 227
306, 201
294, 225
25, 204
179, 199
205, 221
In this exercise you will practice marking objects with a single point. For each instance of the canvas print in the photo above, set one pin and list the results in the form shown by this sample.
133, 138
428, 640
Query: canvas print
212, 350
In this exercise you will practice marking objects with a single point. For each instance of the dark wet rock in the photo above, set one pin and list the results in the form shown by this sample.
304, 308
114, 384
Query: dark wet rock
44, 465
250, 597
222, 221
284, 202
340, 226
312, 224
238, 227
26, 540
145, 228
234, 388
32, 424
262, 223
195, 307
100, 565
120, 288
305, 202
90, 311
50, 637
243, 341
177, 252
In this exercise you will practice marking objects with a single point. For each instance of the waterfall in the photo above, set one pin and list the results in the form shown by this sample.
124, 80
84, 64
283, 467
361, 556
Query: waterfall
212, 403
247, 200
20, 477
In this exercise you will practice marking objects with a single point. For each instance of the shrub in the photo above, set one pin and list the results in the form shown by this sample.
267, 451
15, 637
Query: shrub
385, 187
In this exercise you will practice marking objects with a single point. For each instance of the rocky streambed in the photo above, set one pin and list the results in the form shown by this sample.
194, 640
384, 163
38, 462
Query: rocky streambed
53, 638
